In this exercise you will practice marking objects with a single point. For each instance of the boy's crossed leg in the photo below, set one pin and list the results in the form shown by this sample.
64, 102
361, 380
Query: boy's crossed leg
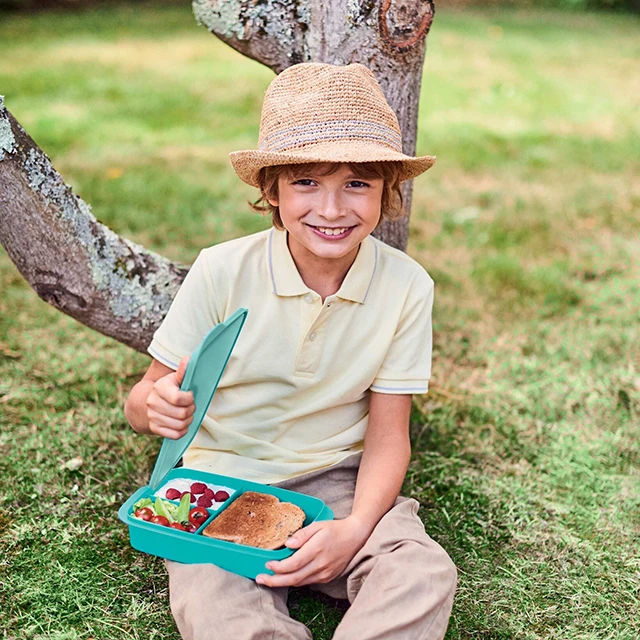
209, 603
400, 584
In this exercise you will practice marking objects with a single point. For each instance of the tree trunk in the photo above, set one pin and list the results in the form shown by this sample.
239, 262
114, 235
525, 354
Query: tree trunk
119, 288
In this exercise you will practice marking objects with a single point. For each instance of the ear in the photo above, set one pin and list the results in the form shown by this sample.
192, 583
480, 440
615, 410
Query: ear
273, 201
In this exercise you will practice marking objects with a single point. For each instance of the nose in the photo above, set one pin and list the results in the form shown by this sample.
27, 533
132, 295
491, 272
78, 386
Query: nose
331, 207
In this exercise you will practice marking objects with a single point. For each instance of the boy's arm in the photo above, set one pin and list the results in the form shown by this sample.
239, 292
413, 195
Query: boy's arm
326, 548
387, 451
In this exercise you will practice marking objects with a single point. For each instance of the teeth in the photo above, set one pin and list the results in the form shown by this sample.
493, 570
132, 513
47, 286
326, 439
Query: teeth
332, 232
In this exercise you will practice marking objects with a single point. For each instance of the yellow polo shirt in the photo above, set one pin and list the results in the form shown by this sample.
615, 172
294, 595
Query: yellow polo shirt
294, 397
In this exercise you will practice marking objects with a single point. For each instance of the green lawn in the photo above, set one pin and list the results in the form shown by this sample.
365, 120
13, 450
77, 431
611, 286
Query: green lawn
527, 449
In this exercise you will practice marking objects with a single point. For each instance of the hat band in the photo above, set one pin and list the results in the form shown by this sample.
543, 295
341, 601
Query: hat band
313, 132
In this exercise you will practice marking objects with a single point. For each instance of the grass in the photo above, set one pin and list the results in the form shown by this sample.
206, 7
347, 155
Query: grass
526, 453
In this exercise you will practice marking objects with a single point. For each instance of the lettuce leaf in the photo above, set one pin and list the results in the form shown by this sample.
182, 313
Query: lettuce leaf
142, 503
166, 509
184, 508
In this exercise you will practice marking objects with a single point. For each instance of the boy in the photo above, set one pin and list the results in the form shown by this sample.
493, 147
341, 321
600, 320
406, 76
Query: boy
317, 393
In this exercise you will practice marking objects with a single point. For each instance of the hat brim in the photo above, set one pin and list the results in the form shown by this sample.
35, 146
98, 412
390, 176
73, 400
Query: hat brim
247, 163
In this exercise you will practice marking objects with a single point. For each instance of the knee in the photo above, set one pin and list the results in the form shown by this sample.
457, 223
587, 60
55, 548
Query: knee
434, 569
450, 571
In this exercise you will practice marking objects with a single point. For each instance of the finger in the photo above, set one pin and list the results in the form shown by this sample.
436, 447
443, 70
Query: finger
163, 407
182, 368
296, 562
163, 432
302, 536
306, 575
170, 392
166, 422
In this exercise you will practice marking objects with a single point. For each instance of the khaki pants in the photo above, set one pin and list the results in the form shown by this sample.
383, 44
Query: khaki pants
400, 584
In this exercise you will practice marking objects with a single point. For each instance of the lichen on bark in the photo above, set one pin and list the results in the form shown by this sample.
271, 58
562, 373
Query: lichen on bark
7, 140
137, 292
278, 19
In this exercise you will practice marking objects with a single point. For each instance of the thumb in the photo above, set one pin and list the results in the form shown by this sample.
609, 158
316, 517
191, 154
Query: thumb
182, 368
301, 536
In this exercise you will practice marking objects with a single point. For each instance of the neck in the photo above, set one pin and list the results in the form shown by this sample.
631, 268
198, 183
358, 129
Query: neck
324, 276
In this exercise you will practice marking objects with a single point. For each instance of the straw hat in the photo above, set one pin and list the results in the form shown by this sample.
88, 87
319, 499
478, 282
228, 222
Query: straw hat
316, 112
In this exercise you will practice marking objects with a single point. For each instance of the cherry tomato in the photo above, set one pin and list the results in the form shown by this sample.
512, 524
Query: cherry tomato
160, 520
177, 525
198, 515
191, 528
144, 514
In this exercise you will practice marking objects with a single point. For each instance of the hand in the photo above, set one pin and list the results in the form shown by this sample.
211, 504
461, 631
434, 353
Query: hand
169, 410
324, 550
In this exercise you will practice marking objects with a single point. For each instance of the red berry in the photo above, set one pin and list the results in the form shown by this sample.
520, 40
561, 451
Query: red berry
204, 501
221, 496
198, 487
191, 528
192, 498
173, 494
209, 493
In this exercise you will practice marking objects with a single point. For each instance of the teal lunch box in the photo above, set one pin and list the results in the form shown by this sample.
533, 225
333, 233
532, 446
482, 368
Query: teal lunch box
203, 374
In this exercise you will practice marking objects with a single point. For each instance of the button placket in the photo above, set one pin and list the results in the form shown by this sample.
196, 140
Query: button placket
310, 349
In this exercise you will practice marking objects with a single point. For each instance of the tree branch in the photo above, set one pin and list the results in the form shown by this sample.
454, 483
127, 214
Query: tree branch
70, 259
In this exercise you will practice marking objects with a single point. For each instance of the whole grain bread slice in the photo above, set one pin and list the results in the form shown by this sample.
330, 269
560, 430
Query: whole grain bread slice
257, 520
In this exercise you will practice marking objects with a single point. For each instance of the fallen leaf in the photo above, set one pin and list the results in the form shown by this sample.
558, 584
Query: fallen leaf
72, 465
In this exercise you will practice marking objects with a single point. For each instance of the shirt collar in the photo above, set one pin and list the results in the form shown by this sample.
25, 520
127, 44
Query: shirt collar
286, 280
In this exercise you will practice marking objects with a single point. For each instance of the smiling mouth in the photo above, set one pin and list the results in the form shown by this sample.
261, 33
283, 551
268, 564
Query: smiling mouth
331, 231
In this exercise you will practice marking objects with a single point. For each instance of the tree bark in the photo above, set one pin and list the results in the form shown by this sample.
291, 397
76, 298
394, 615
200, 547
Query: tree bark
119, 288
71, 260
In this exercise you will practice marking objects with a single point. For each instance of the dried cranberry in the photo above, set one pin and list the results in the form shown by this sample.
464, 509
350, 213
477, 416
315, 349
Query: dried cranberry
221, 496
204, 501
209, 493
173, 494
192, 498
198, 487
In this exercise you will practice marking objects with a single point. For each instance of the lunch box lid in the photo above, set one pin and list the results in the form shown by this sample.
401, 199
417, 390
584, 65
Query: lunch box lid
202, 376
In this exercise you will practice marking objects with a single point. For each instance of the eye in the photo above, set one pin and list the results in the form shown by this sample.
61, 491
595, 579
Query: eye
359, 184
305, 182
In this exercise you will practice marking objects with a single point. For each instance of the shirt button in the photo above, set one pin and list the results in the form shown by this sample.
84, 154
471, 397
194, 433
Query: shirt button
312, 336
328, 305
308, 298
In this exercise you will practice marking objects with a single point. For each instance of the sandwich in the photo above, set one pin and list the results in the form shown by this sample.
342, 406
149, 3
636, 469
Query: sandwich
257, 520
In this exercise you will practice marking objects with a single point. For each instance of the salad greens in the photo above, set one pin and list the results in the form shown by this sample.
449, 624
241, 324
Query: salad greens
184, 508
162, 507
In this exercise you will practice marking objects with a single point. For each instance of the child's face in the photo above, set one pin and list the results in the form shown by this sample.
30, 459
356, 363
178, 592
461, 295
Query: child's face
328, 215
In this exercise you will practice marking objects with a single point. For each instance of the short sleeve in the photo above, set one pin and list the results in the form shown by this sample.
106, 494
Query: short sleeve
407, 364
191, 316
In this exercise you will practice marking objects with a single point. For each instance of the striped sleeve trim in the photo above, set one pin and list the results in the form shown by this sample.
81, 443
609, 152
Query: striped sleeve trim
163, 355
401, 386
